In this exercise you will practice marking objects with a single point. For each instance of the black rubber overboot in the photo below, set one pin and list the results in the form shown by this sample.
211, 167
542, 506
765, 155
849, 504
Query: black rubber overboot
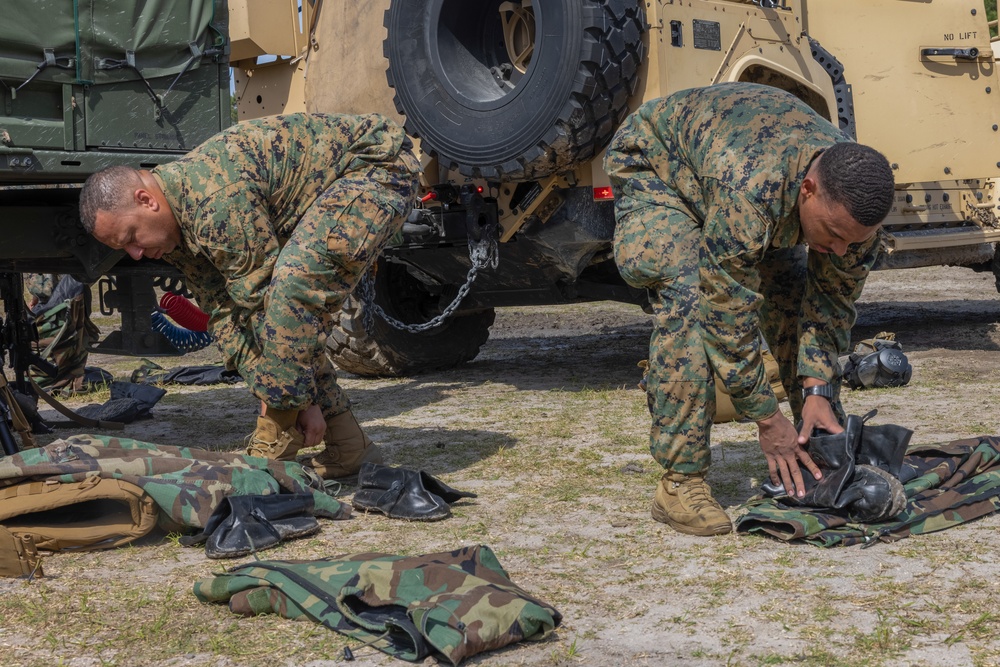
833, 453
398, 493
241, 525
883, 446
872, 496
375, 476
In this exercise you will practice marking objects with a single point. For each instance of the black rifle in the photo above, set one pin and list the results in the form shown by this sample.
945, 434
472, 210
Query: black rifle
6, 436
17, 333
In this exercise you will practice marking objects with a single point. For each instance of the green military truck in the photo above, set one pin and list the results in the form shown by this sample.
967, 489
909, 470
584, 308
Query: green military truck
512, 104
83, 86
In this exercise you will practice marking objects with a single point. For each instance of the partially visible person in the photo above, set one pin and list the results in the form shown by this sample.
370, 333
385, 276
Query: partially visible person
61, 307
749, 218
273, 222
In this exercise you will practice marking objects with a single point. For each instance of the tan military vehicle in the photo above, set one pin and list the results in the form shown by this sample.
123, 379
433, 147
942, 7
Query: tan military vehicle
514, 102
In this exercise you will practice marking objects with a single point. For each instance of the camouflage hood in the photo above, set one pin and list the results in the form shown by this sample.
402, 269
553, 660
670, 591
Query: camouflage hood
452, 605
186, 483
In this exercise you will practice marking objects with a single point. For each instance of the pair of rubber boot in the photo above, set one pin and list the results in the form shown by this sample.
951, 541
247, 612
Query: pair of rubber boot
861, 468
401, 493
346, 445
242, 525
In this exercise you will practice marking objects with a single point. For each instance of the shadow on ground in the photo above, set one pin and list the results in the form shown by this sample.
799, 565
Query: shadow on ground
951, 325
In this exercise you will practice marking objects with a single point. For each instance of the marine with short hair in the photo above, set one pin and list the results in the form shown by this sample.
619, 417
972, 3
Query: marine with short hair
749, 219
272, 222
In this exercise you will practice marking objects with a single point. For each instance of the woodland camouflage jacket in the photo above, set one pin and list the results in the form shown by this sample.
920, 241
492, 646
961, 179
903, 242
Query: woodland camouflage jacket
453, 604
186, 483
946, 485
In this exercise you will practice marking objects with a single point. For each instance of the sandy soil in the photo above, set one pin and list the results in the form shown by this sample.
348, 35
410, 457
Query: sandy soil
548, 427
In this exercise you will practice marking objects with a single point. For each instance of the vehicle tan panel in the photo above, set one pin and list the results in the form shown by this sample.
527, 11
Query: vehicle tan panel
932, 116
268, 89
751, 44
261, 27
346, 72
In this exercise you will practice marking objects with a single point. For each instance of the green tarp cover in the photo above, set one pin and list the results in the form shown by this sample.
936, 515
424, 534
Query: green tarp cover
83, 34
946, 485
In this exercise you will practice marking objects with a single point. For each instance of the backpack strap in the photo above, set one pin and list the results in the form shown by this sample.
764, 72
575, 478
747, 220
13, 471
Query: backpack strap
66, 412
55, 337
17, 418
19, 556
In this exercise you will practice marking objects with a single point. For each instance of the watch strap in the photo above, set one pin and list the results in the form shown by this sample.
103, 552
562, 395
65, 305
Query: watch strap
824, 390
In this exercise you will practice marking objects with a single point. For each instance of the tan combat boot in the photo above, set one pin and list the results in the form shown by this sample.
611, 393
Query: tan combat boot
347, 447
685, 503
276, 436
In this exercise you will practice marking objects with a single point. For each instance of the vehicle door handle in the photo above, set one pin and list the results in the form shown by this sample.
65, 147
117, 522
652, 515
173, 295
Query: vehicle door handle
970, 53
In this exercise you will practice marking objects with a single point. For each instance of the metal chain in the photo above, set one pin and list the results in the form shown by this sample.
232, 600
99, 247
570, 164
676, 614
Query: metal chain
483, 254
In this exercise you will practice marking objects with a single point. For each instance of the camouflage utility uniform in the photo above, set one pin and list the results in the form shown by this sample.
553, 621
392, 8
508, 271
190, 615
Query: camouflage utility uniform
41, 285
280, 218
706, 184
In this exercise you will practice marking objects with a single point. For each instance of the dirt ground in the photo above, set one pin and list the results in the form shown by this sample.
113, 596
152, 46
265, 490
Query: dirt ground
548, 427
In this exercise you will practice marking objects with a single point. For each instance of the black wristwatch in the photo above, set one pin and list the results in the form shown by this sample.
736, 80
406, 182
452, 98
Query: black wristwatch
824, 390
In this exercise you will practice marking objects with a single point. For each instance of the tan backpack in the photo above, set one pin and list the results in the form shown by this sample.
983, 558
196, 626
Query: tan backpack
96, 513
18, 420
18, 556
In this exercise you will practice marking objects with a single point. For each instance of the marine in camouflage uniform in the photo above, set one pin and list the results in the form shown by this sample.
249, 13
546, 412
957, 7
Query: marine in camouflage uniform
279, 218
709, 186
40, 286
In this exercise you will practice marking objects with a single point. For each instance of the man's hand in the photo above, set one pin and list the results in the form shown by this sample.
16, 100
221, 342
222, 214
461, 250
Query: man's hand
312, 425
817, 413
780, 444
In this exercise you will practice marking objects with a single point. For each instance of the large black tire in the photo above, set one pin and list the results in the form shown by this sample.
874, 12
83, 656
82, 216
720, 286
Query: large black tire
995, 266
391, 352
446, 59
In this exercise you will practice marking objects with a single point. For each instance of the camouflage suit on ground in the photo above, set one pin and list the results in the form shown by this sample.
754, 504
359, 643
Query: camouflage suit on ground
450, 605
280, 218
706, 184
186, 483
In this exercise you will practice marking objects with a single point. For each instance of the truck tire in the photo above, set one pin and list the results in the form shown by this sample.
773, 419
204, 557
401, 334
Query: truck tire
519, 98
391, 352
995, 265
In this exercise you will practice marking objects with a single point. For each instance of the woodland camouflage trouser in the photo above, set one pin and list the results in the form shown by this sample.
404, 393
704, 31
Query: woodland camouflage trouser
282, 352
657, 247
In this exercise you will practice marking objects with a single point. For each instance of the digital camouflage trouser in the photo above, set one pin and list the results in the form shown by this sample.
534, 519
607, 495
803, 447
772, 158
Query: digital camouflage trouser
657, 247
282, 353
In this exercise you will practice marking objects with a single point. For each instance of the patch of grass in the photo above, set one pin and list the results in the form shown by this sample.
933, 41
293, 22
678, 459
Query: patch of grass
560, 461
884, 641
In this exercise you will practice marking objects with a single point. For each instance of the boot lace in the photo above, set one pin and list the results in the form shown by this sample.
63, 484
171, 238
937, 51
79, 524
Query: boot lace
697, 494
259, 447
254, 446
